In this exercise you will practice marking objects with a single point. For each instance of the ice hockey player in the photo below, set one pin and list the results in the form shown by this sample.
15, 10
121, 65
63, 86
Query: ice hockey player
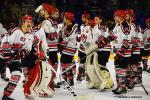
146, 39
50, 15
84, 38
134, 70
122, 50
3, 31
14, 46
36, 67
69, 46
100, 30
97, 62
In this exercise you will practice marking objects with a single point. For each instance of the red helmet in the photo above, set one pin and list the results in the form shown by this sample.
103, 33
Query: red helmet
129, 11
27, 17
48, 7
69, 16
119, 13
86, 15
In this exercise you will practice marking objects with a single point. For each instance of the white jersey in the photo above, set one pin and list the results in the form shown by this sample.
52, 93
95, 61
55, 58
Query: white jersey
122, 34
101, 30
16, 36
146, 39
51, 30
85, 30
71, 40
60, 28
136, 33
40, 33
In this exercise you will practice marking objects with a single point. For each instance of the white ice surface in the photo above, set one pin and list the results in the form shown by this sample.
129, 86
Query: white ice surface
81, 89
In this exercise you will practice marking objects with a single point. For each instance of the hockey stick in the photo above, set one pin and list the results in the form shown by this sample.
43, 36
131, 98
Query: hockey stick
140, 81
66, 85
63, 81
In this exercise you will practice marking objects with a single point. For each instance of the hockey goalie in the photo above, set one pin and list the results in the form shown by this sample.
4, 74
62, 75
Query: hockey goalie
39, 71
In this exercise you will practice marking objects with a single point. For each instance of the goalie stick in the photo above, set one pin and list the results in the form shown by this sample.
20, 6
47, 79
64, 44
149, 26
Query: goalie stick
74, 94
63, 81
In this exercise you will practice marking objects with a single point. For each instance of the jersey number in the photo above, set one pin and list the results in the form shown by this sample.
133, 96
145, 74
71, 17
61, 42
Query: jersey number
22, 39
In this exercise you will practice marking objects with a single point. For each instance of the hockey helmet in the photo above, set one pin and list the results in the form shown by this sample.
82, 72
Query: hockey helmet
27, 17
69, 16
129, 11
119, 13
49, 8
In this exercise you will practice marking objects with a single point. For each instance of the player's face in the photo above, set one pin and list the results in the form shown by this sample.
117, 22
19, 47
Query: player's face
55, 15
83, 20
116, 18
64, 20
127, 17
28, 24
97, 20
44, 13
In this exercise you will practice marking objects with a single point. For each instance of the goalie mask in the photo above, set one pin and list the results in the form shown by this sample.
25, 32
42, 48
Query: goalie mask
45, 10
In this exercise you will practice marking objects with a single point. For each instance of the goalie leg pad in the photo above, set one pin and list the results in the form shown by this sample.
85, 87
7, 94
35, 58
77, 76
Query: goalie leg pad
46, 76
103, 74
93, 80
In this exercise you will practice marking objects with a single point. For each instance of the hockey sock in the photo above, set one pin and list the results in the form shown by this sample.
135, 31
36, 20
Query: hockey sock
15, 77
121, 77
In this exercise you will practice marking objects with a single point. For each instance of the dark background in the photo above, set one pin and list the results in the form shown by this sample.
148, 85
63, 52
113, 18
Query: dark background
12, 10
